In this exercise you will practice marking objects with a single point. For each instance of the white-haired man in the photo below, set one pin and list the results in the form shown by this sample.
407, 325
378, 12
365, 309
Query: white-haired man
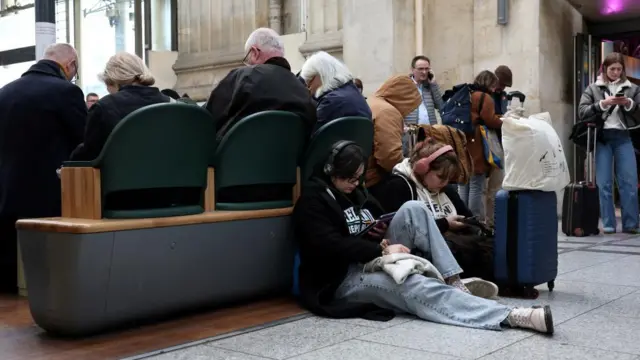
42, 119
266, 83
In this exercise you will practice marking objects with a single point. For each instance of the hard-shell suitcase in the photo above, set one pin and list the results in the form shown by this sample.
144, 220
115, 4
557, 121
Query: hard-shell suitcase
581, 203
526, 241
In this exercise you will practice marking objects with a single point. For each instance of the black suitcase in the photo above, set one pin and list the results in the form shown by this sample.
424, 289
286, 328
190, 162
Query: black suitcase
581, 205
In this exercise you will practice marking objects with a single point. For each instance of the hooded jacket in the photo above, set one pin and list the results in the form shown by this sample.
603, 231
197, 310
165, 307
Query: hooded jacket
395, 99
325, 223
402, 186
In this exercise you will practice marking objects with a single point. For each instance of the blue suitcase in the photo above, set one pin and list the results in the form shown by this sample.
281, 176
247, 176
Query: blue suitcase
526, 240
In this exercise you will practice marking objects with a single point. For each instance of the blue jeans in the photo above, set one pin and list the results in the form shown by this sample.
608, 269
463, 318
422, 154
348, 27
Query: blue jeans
616, 149
472, 195
428, 298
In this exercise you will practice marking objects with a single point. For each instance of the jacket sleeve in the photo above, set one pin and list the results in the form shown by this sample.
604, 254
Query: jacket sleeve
395, 193
634, 109
74, 115
436, 94
457, 202
95, 136
588, 108
318, 234
488, 112
387, 139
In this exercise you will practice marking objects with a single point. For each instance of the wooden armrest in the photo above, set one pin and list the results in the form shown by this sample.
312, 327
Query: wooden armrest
210, 191
89, 226
81, 192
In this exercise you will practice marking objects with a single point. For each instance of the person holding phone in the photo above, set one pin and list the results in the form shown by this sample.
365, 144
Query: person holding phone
425, 177
612, 102
327, 218
423, 77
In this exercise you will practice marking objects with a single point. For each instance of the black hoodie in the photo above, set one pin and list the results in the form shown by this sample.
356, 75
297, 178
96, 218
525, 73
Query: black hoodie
324, 222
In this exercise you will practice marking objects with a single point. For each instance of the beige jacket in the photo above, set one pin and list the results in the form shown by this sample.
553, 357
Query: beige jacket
395, 99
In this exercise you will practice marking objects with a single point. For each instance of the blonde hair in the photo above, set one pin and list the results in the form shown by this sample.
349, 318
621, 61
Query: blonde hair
125, 69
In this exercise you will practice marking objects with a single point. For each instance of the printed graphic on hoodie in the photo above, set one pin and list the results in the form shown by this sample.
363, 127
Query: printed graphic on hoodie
440, 206
357, 221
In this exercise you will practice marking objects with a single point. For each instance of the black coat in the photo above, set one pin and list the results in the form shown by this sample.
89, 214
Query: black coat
42, 117
327, 248
108, 112
251, 89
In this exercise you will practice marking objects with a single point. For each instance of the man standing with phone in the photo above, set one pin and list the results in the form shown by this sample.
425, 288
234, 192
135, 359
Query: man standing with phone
423, 77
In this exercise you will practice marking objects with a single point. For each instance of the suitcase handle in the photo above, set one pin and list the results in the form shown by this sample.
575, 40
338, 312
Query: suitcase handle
591, 154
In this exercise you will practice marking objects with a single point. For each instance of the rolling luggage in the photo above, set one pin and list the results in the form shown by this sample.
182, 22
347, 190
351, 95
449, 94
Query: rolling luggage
581, 204
526, 241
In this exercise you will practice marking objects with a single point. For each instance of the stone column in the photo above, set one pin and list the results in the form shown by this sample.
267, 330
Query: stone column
379, 39
275, 15
212, 34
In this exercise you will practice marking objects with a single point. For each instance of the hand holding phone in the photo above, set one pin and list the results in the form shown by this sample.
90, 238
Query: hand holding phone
620, 94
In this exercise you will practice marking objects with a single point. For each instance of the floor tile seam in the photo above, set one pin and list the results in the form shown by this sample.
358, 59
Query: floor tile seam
219, 337
596, 308
213, 347
373, 330
568, 342
409, 348
594, 282
327, 346
506, 346
597, 264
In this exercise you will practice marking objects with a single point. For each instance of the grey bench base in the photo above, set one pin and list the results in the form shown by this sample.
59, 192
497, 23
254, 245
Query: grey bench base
80, 284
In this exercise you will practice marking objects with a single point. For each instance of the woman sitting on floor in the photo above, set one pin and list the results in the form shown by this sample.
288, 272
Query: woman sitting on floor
425, 176
328, 218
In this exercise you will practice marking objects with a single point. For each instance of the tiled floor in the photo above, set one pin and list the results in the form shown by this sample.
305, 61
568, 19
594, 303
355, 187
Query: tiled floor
596, 306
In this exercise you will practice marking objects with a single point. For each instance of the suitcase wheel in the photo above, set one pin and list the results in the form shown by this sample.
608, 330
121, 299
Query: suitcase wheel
551, 284
578, 232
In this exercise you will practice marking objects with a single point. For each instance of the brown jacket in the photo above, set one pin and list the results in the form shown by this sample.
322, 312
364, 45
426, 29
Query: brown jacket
395, 99
474, 141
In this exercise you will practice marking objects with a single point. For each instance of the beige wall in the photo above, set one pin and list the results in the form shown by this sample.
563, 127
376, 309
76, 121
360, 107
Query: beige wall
160, 63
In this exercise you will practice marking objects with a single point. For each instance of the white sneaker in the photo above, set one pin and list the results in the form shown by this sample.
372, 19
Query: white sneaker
535, 318
481, 288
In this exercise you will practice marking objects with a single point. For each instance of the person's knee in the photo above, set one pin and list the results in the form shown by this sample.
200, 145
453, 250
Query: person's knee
412, 206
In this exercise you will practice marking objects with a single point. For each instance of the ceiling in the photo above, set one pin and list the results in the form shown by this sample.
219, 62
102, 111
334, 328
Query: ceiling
607, 10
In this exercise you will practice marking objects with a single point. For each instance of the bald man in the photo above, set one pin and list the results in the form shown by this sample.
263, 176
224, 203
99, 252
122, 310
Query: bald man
42, 117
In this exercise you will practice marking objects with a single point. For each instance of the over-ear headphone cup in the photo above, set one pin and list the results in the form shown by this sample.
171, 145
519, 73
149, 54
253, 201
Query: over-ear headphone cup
328, 169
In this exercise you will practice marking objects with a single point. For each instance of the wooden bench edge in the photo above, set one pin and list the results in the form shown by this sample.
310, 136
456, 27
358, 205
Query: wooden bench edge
89, 226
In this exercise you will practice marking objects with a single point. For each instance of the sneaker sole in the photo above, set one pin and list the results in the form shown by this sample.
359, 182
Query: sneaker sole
481, 288
548, 319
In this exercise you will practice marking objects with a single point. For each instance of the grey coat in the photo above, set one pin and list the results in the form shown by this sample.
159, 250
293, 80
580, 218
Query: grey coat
432, 99
589, 107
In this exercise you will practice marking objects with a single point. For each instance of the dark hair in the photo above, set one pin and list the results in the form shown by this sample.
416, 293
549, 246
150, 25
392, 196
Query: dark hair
447, 162
504, 75
92, 95
614, 58
347, 162
171, 93
486, 80
358, 83
419, 57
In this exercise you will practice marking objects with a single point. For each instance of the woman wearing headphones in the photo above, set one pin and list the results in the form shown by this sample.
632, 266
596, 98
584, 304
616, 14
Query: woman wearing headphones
425, 176
328, 220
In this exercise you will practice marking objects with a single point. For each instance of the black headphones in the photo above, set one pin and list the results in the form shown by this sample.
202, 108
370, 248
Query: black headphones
335, 150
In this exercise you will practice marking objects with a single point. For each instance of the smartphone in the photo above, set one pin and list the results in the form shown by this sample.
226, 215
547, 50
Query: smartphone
386, 218
620, 94
430, 76
367, 229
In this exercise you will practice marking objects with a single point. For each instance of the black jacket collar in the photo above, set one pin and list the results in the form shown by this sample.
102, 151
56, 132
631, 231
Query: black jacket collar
279, 61
46, 67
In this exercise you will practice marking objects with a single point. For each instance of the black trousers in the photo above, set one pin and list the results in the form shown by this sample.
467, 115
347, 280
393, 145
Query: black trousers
8, 256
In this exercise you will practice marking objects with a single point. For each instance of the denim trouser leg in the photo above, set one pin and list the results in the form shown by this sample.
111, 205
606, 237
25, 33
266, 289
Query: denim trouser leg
472, 194
425, 297
414, 227
617, 148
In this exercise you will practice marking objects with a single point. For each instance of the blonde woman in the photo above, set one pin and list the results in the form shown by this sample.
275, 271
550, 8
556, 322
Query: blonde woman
128, 81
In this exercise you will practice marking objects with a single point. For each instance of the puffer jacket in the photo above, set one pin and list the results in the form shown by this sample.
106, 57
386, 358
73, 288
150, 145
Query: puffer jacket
392, 102
589, 107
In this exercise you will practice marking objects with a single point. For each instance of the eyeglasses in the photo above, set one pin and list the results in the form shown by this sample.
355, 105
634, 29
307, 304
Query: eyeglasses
246, 57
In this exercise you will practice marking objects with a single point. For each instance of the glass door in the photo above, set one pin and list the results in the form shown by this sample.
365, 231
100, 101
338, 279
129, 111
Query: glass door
587, 59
